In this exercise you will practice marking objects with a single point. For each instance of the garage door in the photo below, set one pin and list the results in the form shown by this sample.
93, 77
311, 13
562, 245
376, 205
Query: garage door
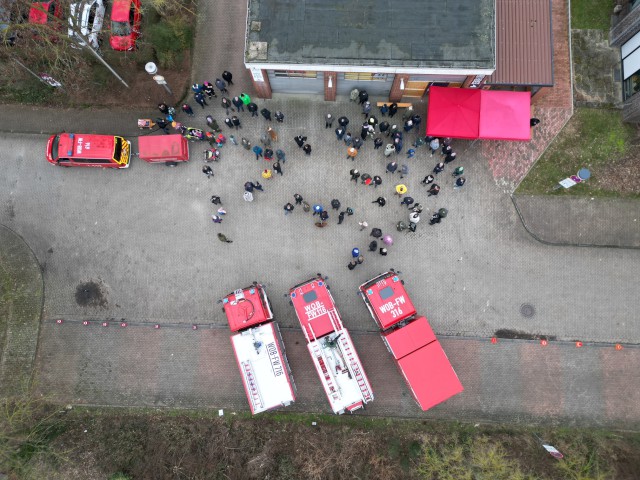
287, 81
378, 84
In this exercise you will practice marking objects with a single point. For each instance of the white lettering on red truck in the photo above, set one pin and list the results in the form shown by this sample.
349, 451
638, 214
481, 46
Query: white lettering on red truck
314, 310
393, 307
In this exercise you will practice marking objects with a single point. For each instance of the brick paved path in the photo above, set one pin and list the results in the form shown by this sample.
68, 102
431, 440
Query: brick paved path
510, 381
510, 161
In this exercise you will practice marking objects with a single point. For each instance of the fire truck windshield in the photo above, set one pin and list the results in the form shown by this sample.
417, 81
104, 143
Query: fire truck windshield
385, 293
310, 296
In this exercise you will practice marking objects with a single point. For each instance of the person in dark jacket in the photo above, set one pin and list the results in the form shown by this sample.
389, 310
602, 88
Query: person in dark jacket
227, 76
266, 114
222, 86
207, 87
300, 140
253, 108
237, 102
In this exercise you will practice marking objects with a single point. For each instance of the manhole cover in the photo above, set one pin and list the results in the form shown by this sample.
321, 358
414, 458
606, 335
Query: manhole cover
527, 310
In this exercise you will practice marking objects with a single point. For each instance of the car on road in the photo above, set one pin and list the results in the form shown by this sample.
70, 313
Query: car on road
42, 13
8, 17
125, 24
88, 18
88, 150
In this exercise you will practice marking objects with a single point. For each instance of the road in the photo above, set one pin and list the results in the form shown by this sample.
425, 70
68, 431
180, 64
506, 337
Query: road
144, 235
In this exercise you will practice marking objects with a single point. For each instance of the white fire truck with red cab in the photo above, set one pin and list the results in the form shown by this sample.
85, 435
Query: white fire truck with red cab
410, 340
259, 349
332, 351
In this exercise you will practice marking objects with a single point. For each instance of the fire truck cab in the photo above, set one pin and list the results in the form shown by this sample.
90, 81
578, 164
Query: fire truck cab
330, 346
410, 339
88, 150
259, 349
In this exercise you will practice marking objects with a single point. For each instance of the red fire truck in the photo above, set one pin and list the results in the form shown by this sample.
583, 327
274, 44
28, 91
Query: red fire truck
259, 349
112, 151
332, 351
410, 340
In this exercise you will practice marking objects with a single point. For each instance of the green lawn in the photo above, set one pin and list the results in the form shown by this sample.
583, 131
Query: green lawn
596, 139
591, 14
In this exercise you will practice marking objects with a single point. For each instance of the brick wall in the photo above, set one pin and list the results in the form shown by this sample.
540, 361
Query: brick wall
263, 88
560, 95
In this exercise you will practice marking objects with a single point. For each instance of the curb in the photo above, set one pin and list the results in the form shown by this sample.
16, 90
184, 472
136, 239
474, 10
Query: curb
564, 244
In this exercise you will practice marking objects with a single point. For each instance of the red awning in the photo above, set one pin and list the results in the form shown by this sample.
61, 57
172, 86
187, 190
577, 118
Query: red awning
473, 113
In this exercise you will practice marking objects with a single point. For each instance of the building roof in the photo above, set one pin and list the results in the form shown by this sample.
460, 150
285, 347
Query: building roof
387, 33
524, 43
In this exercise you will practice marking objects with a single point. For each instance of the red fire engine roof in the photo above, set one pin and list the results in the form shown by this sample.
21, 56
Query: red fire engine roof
246, 307
426, 368
83, 145
410, 338
387, 299
162, 148
315, 308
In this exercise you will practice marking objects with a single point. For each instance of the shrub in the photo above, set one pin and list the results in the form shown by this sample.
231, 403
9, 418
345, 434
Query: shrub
170, 38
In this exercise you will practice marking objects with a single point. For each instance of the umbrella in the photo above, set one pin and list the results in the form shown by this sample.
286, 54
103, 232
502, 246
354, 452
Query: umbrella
387, 240
355, 253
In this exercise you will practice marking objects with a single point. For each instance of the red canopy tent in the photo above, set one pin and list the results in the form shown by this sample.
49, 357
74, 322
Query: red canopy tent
473, 113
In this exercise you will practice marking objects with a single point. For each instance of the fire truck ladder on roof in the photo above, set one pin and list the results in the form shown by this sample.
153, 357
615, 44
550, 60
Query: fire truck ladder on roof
252, 386
334, 389
365, 388
335, 320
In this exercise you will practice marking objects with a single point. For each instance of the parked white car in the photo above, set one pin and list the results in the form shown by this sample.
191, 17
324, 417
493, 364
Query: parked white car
87, 17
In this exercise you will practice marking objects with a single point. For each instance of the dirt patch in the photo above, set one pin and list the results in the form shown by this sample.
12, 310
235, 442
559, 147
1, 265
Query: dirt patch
622, 175
143, 91
289, 447
91, 294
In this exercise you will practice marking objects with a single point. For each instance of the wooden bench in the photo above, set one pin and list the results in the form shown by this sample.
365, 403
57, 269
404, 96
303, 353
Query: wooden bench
400, 105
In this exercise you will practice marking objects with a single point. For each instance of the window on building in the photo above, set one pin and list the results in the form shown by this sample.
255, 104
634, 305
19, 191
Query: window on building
295, 74
631, 85
363, 76
630, 53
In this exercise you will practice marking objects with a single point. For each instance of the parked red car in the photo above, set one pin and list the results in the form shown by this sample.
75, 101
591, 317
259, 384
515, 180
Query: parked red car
40, 12
125, 24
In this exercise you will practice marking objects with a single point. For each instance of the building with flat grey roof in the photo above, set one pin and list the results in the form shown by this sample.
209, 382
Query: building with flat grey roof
388, 47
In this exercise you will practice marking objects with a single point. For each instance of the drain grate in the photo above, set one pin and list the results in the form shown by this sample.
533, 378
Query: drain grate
527, 310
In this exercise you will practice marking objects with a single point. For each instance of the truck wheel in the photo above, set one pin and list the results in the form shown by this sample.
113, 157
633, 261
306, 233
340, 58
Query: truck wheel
171, 164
